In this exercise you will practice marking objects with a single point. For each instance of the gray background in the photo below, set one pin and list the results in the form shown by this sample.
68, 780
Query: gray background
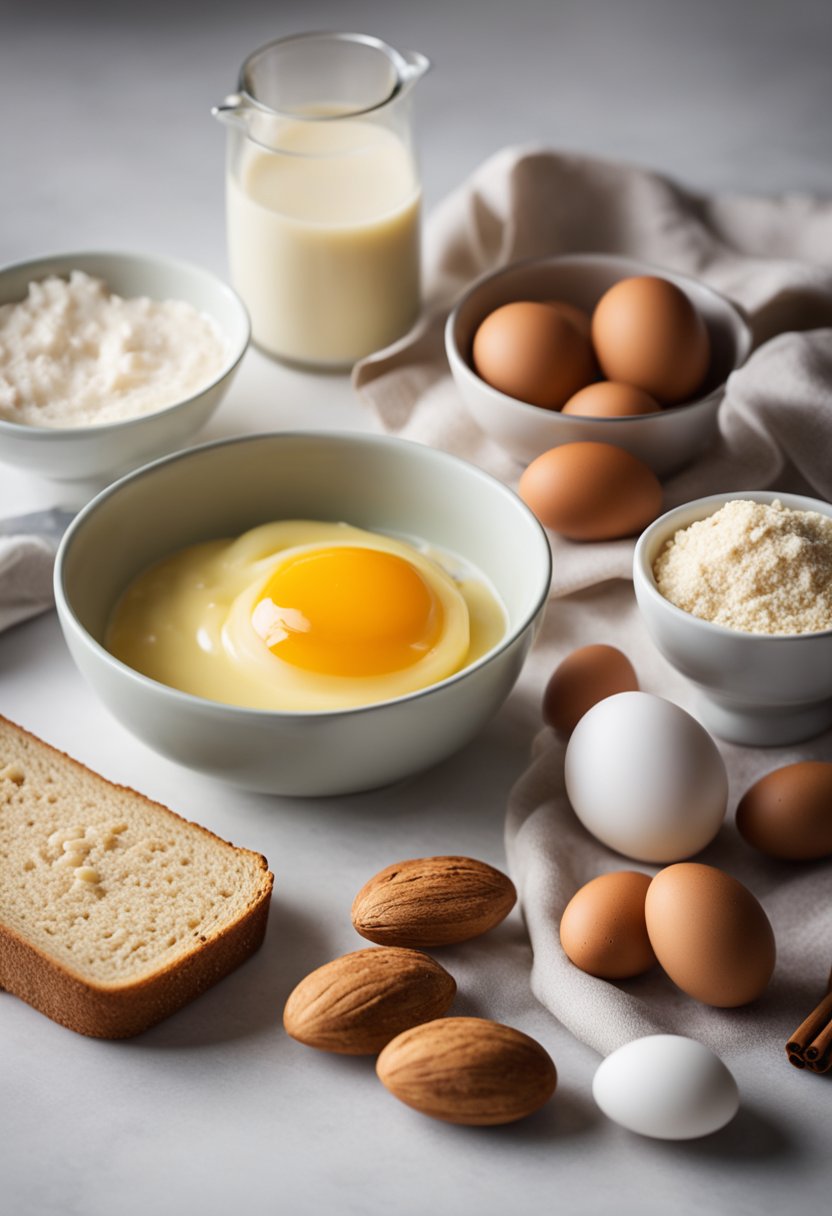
107, 141
106, 106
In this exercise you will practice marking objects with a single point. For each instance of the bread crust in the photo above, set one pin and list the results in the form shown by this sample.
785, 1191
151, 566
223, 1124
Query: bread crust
121, 1010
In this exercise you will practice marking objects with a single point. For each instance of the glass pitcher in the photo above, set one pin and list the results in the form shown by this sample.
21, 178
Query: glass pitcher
323, 196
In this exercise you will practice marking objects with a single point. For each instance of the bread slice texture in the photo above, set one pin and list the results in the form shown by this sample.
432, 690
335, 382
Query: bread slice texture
114, 910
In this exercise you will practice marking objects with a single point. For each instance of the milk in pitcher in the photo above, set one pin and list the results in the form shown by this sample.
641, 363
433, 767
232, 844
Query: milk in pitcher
323, 238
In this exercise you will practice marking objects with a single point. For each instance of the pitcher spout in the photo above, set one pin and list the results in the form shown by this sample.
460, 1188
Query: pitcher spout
414, 65
232, 110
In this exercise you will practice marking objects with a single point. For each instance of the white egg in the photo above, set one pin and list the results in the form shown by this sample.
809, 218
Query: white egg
666, 1086
645, 778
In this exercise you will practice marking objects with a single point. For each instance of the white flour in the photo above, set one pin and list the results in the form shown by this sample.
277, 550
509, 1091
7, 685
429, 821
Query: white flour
74, 355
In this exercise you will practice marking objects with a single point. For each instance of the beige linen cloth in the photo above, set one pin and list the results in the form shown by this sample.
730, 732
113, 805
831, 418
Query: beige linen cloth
28, 544
772, 256
26, 563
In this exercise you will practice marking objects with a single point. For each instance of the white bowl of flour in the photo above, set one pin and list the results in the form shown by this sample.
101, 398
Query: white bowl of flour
108, 360
736, 592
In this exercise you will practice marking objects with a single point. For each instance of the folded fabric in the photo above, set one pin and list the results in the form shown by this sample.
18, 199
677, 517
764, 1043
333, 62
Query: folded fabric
28, 544
773, 257
25, 577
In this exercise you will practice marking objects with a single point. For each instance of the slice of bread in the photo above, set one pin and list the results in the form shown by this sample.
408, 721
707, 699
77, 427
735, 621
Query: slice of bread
114, 911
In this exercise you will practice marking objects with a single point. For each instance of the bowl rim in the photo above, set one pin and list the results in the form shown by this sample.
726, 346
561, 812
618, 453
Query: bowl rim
233, 356
644, 579
67, 613
456, 358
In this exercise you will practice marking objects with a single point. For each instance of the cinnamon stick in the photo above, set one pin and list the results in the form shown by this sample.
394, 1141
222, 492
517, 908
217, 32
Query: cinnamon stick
819, 1052
811, 1044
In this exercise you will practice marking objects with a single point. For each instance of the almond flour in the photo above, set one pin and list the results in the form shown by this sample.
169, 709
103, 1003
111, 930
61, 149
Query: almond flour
757, 567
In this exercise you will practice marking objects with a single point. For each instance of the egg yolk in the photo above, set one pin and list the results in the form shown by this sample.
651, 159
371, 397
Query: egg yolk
348, 611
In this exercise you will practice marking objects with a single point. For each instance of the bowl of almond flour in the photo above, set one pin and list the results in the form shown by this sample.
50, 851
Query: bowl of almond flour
108, 360
736, 593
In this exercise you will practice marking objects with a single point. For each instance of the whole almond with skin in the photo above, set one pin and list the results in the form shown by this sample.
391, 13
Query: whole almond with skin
355, 1004
432, 901
468, 1070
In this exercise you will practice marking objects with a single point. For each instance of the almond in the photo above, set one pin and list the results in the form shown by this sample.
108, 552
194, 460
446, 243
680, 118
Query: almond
468, 1070
355, 1004
432, 901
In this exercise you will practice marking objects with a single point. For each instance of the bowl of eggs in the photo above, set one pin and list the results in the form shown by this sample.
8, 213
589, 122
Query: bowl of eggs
110, 359
304, 613
735, 592
595, 348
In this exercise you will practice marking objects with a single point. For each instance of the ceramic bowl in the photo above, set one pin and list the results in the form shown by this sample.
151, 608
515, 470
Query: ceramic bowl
666, 441
97, 454
758, 689
224, 488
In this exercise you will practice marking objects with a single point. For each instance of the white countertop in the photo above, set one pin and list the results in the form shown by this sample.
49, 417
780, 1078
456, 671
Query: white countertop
108, 143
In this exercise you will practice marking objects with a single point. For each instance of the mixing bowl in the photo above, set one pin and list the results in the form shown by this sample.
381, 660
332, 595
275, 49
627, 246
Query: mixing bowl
221, 490
96, 454
758, 689
665, 441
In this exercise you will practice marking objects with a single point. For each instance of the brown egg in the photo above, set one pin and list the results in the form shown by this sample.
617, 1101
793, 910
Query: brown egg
603, 930
710, 934
611, 399
647, 332
788, 813
583, 678
531, 351
578, 316
591, 491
